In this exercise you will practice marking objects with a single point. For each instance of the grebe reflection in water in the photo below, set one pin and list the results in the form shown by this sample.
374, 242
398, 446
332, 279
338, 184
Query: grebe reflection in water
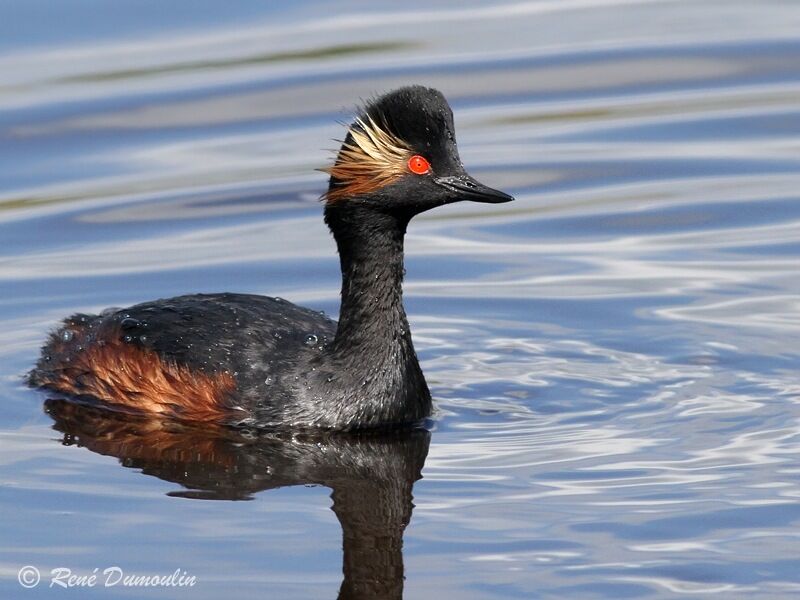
371, 476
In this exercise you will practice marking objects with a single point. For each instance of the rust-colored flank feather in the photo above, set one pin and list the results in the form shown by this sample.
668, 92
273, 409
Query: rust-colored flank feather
104, 367
371, 159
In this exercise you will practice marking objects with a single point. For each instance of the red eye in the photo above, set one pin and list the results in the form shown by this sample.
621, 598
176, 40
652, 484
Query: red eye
418, 165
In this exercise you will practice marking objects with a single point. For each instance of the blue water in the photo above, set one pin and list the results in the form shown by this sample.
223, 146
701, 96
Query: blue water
615, 357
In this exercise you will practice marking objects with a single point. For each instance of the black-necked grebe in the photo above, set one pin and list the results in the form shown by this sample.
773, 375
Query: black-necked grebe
264, 362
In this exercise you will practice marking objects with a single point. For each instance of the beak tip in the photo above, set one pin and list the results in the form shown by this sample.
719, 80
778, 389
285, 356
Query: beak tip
492, 196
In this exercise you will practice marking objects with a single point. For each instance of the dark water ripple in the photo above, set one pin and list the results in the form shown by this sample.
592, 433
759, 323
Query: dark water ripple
615, 355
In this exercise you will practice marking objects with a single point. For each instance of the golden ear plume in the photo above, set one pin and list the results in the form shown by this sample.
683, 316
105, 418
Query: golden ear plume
371, 159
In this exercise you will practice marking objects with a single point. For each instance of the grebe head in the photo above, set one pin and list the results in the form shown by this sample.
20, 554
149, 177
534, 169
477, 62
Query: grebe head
400, 156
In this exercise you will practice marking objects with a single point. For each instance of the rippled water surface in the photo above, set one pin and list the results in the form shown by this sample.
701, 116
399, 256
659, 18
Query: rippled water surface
615, 356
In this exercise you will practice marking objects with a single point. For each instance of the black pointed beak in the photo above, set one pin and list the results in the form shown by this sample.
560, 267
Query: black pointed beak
464, 187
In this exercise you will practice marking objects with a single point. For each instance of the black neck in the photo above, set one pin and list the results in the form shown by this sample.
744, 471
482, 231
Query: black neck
371, 254
373, 342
